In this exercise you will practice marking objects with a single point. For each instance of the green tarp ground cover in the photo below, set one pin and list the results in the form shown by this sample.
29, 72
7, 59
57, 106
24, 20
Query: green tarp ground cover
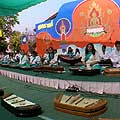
11, 7
45, 97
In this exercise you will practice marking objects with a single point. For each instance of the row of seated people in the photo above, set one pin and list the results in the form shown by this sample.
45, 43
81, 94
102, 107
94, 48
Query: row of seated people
90, 58
22, 59
52, 57
70, 53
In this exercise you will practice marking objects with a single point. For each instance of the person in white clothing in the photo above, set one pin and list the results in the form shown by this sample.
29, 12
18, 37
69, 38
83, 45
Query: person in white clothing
104, 54
54, 61
6, 58
23, 59
77, 53
45, 57
115, 55
17, 57
70, 52
90, 58
34, 59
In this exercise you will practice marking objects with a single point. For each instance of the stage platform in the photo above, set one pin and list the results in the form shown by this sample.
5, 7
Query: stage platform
101, 84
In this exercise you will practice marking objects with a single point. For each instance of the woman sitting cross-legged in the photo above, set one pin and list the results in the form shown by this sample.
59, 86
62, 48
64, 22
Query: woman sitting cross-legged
90, 58
24, 61
34, 59
49, 55
54, 61
77, 53
5, 59
17, 57
70, 52
45, 58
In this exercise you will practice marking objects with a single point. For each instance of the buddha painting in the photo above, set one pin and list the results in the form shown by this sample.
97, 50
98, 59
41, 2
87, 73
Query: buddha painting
95, 19
94, 27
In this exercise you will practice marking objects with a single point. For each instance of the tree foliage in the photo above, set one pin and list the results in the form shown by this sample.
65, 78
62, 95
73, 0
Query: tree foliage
15, 41
3, 45
6, 24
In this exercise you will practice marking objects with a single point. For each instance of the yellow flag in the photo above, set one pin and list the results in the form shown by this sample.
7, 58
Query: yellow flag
0, 33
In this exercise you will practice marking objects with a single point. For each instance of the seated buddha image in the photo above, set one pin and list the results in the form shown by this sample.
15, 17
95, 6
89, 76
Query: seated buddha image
94, 20
94, 25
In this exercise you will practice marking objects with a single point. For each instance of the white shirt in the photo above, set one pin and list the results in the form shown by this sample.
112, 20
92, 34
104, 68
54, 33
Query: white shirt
77, 54
46, 56
55, 59
23, 59
103, 56
17, 56
115, 58
34, 60
64, 53
6, 58
92, 58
